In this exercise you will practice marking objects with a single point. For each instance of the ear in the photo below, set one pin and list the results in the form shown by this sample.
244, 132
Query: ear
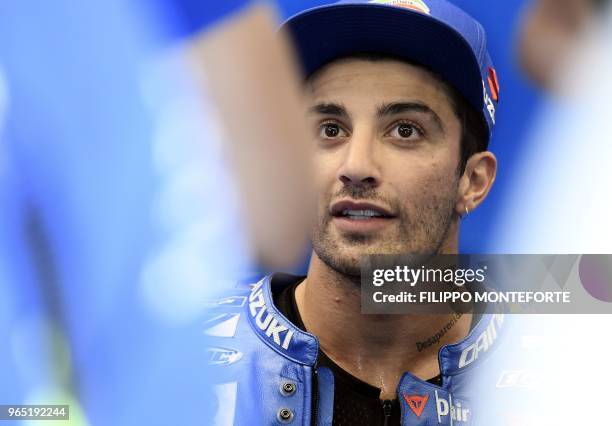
476, 181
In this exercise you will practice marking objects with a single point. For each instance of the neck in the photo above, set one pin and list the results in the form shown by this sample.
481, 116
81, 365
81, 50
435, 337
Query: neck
377, 349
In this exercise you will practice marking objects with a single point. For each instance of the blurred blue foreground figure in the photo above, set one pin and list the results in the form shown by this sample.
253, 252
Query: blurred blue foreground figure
111, 235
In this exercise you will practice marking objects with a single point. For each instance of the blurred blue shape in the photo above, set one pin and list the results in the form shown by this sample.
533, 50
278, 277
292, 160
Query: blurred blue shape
108, 249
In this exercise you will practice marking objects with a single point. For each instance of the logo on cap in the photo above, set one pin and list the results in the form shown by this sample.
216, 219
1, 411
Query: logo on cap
417, 403
493, 84
418, 5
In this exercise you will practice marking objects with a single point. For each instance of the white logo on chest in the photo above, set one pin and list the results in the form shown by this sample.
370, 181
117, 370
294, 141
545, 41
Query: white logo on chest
265, 320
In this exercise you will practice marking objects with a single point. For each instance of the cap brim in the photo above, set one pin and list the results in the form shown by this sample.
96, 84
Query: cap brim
325, 33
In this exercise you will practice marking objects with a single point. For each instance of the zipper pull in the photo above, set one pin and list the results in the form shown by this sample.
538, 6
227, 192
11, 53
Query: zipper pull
387, 406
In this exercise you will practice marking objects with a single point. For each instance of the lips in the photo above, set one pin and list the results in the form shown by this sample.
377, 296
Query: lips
359, 210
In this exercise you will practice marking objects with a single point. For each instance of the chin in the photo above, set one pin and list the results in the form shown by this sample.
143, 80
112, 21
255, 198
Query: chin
347, 258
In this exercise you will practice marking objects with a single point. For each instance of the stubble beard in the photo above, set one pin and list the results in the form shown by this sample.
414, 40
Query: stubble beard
421, 232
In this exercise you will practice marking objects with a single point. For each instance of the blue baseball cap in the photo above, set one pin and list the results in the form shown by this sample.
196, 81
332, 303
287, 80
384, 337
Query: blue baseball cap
433, 33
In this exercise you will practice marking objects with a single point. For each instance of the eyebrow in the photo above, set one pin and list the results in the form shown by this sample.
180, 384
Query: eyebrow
330, 108
396, 108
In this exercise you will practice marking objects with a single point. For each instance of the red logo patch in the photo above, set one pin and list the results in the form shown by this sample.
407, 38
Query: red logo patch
416, 403
493, 84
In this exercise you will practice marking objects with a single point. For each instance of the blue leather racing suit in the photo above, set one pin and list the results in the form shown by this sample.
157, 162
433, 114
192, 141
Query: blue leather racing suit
265, 369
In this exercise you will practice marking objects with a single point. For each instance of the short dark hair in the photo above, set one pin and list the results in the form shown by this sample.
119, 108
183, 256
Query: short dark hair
474, 129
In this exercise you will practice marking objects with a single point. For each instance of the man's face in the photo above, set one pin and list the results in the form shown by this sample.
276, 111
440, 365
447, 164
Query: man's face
386, 161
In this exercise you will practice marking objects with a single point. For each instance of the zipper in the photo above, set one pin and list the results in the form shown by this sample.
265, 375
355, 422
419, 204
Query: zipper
315, 397
387, 406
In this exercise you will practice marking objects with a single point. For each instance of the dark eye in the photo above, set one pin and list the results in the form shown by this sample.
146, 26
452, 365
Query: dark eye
405, 131
331, 131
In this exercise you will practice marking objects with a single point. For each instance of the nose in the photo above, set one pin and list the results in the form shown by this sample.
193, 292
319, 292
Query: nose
359, 166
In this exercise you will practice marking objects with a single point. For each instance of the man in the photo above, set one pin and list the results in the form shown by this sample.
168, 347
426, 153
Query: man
403, 100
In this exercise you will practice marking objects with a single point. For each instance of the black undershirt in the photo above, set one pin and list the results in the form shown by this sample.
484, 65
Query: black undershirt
356, 402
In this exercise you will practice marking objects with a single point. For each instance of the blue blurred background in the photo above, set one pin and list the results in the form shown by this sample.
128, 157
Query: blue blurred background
102, 209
